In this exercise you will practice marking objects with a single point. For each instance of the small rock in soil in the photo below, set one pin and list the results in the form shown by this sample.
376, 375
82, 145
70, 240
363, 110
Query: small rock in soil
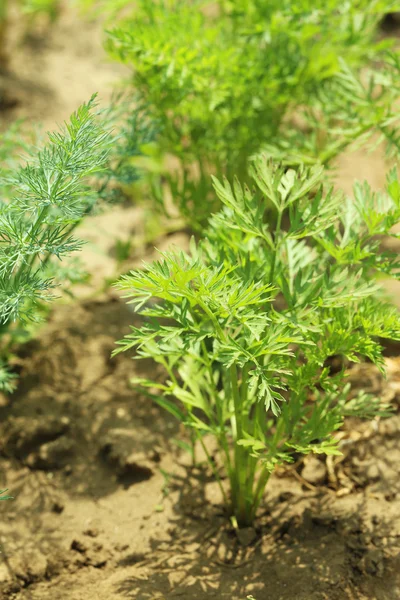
314, 471
246, 535
392, 455
389, 427
53, 455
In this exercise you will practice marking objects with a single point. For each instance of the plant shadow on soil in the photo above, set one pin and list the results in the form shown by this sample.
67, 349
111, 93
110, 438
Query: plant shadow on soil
101, 494
304, 546
73, 397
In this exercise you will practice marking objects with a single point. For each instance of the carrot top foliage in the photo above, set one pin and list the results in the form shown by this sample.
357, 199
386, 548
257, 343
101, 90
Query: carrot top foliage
245, 325
220, 81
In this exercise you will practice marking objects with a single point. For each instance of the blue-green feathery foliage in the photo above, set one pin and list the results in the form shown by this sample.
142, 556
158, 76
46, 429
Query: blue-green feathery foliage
42, 201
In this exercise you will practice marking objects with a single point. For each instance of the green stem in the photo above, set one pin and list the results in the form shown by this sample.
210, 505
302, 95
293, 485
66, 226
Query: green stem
259, 420
213, 319
52, 193
239, 499
199, 437
266, 473
32, 231
277, 243
259, 492
220, 414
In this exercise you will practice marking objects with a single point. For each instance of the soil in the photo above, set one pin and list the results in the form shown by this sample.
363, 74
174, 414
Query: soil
53, 68
106, 506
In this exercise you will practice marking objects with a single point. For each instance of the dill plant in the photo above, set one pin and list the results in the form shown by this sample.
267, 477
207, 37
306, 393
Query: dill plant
286, 277
221, 81
42, 200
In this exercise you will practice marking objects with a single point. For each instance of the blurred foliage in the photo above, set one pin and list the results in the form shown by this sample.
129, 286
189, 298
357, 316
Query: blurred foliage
32, 8
35, 7
216, 82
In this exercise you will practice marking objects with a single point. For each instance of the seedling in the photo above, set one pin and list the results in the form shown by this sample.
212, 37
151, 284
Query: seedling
42, 203
220, 81
246, 324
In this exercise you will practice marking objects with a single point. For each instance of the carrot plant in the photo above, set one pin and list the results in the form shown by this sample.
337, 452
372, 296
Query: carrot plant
244, 326
219, 81
41, 203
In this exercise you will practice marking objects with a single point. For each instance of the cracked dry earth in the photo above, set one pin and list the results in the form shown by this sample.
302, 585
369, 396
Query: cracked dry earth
107, 507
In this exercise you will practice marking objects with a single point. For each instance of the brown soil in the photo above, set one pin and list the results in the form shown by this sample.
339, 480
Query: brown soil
106, 507
52, 69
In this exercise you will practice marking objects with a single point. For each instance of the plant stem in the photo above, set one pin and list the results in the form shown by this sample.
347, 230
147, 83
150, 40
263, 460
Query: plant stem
277, 243
199, 437
239, 500
259, 492
219, 410
266, 472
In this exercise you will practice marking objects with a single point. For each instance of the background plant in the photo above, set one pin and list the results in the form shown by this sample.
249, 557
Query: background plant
218, 81
246, 324
42, 202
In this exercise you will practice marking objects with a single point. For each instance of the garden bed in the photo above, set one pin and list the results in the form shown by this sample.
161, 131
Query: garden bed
107, 506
